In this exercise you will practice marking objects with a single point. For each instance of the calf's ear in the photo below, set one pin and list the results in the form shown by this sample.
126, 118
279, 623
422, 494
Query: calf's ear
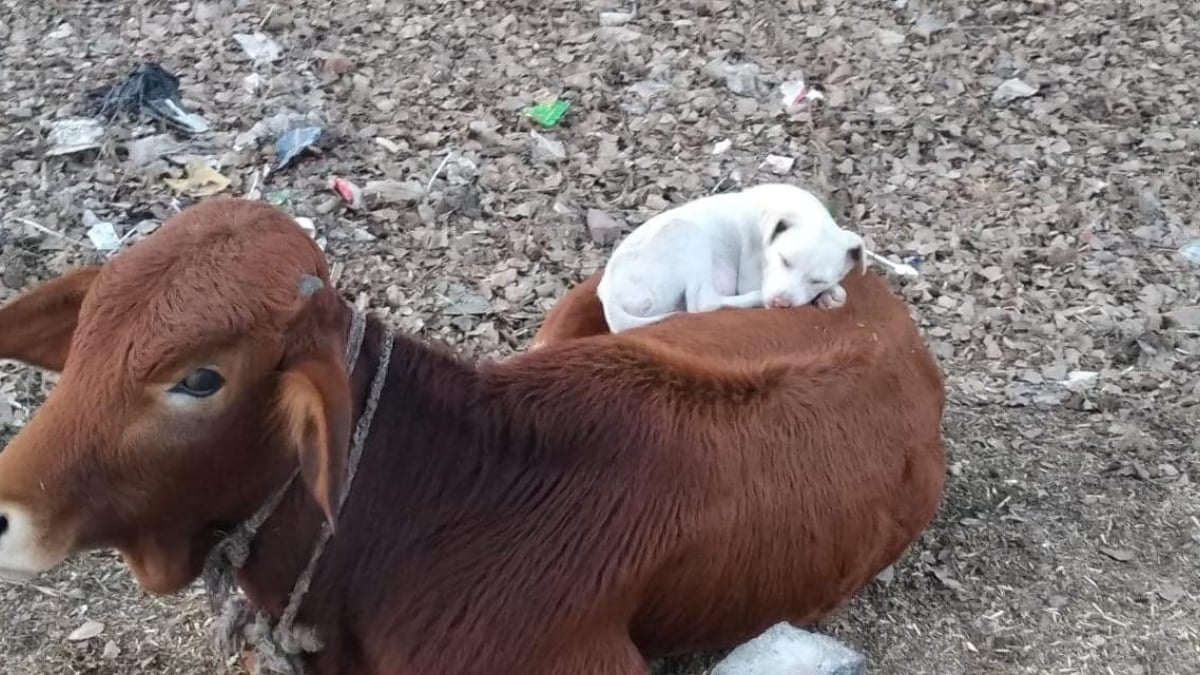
316, 408
36, 328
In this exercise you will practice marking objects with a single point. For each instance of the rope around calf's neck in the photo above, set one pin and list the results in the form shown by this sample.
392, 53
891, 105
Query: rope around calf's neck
278, 649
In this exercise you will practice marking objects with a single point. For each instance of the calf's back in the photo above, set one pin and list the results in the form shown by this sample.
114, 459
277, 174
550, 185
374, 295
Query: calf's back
781, 458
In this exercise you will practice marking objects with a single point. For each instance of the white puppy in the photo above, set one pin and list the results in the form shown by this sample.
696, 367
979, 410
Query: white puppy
768, 245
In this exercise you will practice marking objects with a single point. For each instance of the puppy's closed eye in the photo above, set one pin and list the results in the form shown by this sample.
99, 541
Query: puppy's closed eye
786, 263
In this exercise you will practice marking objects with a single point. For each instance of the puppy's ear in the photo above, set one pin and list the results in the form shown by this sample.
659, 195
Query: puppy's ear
856, 254
771, 224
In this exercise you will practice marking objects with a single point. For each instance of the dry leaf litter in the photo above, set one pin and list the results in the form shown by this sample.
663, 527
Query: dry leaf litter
1035, 159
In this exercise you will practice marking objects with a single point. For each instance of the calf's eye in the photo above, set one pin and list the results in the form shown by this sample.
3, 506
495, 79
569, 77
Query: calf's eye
200, 383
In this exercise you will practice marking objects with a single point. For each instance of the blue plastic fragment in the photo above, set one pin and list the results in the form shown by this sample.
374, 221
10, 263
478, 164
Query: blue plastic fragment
293, 142
1191, 251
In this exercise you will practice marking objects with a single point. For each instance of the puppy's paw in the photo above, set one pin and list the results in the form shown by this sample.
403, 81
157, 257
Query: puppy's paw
832, 298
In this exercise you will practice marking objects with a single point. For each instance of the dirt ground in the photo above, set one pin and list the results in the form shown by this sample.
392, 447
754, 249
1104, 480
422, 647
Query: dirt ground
1046, 215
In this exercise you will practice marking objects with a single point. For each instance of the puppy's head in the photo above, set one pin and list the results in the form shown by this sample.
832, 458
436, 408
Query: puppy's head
804, 255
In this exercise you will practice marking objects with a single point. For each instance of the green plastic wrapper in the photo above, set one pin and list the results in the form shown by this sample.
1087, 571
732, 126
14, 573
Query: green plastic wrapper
548, 114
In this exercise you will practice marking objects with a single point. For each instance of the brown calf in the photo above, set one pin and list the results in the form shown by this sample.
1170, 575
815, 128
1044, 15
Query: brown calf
572, 511
578, 313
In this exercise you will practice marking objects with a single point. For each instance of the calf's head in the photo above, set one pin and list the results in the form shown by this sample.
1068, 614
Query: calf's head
198, 369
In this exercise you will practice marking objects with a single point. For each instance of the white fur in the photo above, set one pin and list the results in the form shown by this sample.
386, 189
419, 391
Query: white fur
719, 251
22, 553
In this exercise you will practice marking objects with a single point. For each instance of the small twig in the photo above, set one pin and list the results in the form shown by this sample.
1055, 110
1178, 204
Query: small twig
721, 182
429, 186
266, 17
43, 228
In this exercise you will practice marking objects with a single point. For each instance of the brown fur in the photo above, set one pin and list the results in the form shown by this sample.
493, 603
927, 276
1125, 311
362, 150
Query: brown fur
571, 511
578, 313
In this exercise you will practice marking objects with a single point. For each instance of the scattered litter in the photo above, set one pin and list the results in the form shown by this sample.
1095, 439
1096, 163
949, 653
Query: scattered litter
603, 228
73, 135
1079, 377
1191, 251
310, 228
200, 180
549, 113
349, 192
393, 191
259, 47
252, 83
111, 651
467, 303
615, 18
778, 164
307, 225
547, 149
899, 268
101, 233
148, 90
87, 631
147, 150
293, 142
1013, 89
742, 78
275, 126
721, 147
797, 94
460, 170
278, 197
784, 648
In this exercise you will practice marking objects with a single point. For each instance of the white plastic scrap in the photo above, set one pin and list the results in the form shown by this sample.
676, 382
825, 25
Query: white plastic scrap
797, 94
1191, 251
104, 237
101, 233
784, 649
260, 47
1013, 89
74, 134
778, 164
898, 268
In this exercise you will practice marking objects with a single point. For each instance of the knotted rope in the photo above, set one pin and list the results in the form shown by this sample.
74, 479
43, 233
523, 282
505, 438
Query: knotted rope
279, 647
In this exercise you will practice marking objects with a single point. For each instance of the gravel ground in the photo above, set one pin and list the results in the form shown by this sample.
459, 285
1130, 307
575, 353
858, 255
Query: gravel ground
1037, 159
